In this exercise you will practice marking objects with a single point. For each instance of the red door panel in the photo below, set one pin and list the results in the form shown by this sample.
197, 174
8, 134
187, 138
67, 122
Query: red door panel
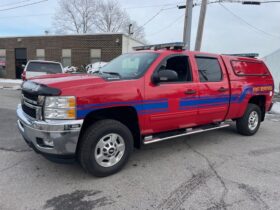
168, 112
174, 117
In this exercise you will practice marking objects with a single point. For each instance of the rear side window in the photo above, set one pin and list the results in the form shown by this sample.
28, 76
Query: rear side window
51, 68
209, 69
243, 68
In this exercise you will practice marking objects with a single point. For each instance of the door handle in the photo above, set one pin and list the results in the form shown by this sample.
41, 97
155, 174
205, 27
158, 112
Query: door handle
222, 89
190, 92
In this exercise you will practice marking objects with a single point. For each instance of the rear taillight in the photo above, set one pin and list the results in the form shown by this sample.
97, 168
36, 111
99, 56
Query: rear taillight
23, 76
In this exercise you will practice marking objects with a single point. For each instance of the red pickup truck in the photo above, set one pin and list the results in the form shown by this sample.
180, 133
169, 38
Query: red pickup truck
155, 93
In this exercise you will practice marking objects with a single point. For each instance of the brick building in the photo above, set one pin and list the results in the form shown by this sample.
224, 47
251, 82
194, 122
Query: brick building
73, 50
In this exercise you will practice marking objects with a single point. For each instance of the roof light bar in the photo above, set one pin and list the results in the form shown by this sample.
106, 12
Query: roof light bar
248, 55
171, 46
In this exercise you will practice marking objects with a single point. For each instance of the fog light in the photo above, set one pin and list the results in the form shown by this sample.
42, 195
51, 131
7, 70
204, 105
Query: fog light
48, 142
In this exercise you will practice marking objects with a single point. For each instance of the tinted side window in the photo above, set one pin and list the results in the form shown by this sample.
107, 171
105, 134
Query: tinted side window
209, 69
179, 64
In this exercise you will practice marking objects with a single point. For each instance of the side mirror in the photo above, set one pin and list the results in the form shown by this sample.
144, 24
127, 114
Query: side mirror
23, 66
166, 75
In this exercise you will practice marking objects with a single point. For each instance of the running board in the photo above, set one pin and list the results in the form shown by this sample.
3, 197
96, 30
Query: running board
189, 131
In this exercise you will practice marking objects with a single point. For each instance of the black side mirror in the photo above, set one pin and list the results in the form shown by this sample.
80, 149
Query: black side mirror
166, 75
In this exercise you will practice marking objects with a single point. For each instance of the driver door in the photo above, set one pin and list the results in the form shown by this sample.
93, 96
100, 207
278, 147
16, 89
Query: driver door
168, 100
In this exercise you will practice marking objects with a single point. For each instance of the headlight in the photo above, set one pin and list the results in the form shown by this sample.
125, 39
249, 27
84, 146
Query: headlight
60, 107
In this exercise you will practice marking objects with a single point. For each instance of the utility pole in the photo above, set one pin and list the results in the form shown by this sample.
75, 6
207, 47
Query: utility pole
200, 25
188, 18
187, 23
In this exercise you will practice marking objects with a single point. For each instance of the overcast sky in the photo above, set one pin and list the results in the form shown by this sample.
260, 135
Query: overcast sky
234, 28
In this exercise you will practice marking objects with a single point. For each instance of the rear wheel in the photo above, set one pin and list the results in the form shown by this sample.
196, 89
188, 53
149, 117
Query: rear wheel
105, 147
250, 122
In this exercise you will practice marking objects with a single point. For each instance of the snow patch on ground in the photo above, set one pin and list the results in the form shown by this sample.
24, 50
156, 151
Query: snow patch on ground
12, 84
11, 81
275, 108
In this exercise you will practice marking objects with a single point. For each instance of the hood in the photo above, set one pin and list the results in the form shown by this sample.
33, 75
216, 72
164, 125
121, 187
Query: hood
65, 81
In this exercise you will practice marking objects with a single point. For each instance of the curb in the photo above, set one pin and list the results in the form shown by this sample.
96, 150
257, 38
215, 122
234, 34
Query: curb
10, 88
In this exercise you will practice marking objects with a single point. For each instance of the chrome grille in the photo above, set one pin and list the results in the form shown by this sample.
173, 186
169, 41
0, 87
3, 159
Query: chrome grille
29, 111
30, 105
30, 96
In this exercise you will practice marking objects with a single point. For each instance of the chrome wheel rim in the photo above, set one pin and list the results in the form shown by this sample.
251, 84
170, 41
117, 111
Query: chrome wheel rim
109, 150
253, 120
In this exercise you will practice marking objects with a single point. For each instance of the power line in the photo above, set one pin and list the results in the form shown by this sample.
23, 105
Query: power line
23, 16
168, 26
24, 5
13, 3
264, 2
247, 23
237, 1
156, 5
153, 17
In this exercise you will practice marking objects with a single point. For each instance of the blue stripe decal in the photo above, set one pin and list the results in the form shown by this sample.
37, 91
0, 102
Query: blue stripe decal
142, 107
199, 102
119, 103
161, 105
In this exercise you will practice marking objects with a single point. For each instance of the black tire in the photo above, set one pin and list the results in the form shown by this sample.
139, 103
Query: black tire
242, 124
90, 139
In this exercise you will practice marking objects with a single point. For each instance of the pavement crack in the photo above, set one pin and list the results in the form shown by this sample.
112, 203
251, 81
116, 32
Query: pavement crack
222, 204
14, 150
13, 165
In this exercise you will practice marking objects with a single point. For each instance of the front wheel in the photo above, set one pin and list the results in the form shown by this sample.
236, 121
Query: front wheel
249, 124
105, 147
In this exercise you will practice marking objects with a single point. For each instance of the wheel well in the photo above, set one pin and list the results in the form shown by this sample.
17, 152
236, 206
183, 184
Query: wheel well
126, 115
259, 101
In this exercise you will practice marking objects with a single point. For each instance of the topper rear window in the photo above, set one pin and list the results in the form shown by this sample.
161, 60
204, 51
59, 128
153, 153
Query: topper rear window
249, 68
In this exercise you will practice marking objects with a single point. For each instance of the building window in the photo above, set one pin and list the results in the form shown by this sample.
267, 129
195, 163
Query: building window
40, 54
95, 55
2, 59
66, 57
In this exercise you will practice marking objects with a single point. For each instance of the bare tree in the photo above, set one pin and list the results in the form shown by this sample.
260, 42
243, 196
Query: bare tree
75, 16
85, 16
110, 17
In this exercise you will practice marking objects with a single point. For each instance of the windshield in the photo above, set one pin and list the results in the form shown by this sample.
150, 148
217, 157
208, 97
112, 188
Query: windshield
130, 65
51, 68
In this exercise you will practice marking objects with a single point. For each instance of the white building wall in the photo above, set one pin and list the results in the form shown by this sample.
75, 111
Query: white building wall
273, 63
128, 43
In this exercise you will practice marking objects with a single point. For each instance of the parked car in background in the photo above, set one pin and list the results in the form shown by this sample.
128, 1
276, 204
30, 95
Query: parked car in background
94, 67
70, 69
37, 68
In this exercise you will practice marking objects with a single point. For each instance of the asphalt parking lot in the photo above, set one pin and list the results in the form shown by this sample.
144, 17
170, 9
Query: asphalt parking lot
214, 170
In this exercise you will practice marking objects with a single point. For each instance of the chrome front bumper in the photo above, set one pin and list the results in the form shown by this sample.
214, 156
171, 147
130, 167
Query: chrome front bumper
63, 133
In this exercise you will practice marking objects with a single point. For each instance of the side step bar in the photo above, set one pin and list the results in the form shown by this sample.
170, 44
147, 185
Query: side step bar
189, 131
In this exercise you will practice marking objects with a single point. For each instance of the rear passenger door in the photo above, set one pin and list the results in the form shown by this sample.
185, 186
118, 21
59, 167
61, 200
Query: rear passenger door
214, 92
